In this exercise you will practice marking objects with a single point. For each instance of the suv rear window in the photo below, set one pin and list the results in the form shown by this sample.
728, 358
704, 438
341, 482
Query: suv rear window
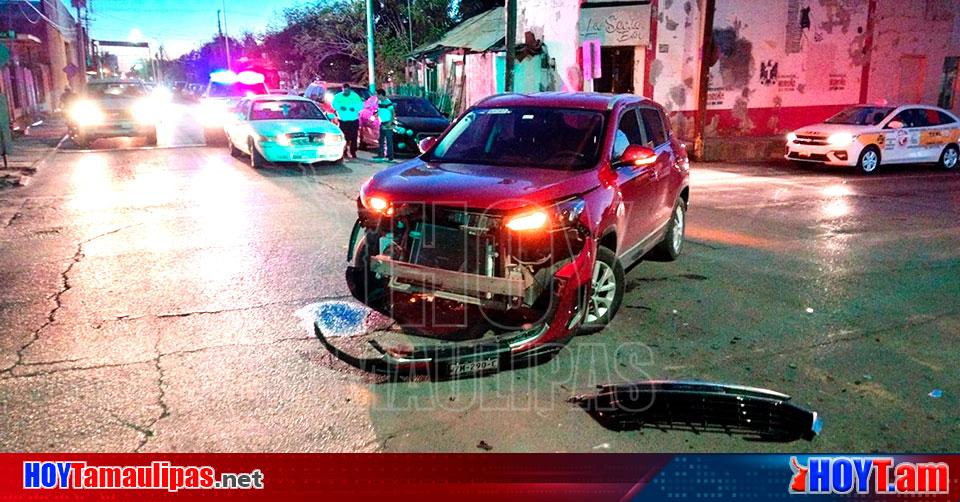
551, 138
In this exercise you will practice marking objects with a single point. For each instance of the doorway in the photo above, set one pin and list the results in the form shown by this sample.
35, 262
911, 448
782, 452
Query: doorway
616, 70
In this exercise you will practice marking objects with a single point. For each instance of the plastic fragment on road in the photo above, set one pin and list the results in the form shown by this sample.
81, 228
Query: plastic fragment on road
936, 393
602, 446
753, 413
809, 310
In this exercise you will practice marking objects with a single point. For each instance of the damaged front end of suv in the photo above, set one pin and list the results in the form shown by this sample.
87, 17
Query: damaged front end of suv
472, 291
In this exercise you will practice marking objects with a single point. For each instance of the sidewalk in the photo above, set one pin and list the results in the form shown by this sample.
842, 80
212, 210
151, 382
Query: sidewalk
29, 149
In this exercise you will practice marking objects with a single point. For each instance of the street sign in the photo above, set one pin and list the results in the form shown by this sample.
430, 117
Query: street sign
4, 54
71, 70
8, 35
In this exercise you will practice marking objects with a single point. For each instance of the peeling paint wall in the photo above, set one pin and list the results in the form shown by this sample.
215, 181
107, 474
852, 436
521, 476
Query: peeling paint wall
773, 60
481, 77
555, 22
911, 41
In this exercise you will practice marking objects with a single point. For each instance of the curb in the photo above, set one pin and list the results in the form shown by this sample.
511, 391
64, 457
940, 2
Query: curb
24, 179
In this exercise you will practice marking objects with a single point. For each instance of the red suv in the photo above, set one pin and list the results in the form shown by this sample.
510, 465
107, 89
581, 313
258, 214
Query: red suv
518, 222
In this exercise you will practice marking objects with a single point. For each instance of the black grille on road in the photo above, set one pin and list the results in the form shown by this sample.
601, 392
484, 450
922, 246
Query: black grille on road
756, 414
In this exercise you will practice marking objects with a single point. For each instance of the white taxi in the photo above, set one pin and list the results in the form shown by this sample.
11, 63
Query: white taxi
283, 128
867, 136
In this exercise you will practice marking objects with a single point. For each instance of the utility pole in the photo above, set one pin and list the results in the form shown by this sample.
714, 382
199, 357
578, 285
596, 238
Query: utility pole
370, 61
226, 32
511, 41
706, 54
81, 49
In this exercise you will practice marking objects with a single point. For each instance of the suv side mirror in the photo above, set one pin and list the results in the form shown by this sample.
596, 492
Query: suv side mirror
637, 156
427, 143
894, 124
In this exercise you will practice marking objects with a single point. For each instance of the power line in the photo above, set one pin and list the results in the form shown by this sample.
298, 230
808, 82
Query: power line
20, 4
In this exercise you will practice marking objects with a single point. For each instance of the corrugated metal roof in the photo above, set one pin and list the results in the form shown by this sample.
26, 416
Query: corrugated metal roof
480, 33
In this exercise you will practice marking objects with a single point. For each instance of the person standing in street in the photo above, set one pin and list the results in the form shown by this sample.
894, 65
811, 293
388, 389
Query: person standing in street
385, 113
348, 105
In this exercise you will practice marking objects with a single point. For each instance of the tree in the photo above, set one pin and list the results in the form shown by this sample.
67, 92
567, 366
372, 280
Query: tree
469, 8
327, 40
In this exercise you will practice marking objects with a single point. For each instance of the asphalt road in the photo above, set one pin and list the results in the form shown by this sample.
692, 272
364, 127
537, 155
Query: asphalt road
148, 300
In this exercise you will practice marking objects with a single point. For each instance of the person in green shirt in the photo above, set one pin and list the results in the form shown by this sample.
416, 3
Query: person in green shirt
385, 112
348, 105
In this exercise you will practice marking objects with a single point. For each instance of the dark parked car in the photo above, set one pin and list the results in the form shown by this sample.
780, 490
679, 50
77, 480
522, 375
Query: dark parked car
527, 211
416, 118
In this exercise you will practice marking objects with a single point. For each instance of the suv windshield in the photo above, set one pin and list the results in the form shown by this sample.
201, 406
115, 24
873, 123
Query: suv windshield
116, 90
551, 138
290, 110
415, 108
860, 115
235, 90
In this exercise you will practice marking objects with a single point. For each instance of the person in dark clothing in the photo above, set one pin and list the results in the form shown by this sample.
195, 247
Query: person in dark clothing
66, 98
385, 112
348, 105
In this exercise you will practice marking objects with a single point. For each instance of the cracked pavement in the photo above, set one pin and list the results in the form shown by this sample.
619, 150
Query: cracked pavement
148, 300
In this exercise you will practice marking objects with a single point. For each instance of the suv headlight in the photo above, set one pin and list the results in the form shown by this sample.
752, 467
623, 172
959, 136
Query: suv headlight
561, 215
146, 111
282, 140
332, 138
86, 113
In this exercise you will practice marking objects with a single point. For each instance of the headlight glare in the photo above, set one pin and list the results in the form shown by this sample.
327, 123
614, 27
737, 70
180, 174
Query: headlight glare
840, 139
535, 220
86, 113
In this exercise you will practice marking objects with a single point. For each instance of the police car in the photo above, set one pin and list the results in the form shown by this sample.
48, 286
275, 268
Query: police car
867, 136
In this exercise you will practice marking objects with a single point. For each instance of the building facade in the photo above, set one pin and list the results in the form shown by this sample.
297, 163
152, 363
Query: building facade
41, 37
775, 64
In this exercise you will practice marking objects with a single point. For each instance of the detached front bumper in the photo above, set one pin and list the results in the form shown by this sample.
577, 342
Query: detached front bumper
450, 359
313, 152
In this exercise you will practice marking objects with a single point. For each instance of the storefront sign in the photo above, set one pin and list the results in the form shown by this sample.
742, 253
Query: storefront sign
628, 25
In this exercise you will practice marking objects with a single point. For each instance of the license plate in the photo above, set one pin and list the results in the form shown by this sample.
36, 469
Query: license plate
484, 364
804, 154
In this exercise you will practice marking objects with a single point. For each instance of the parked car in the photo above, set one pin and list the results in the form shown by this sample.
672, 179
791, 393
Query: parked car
529, 208
415, 118
324, 91
283, 129
867, 136
113, 108
224, 90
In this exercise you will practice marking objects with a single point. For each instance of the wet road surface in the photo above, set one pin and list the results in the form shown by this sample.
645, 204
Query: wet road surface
148, 303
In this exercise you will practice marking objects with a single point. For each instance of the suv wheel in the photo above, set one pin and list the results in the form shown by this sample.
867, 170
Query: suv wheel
606, 291
152, 138
672, 244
